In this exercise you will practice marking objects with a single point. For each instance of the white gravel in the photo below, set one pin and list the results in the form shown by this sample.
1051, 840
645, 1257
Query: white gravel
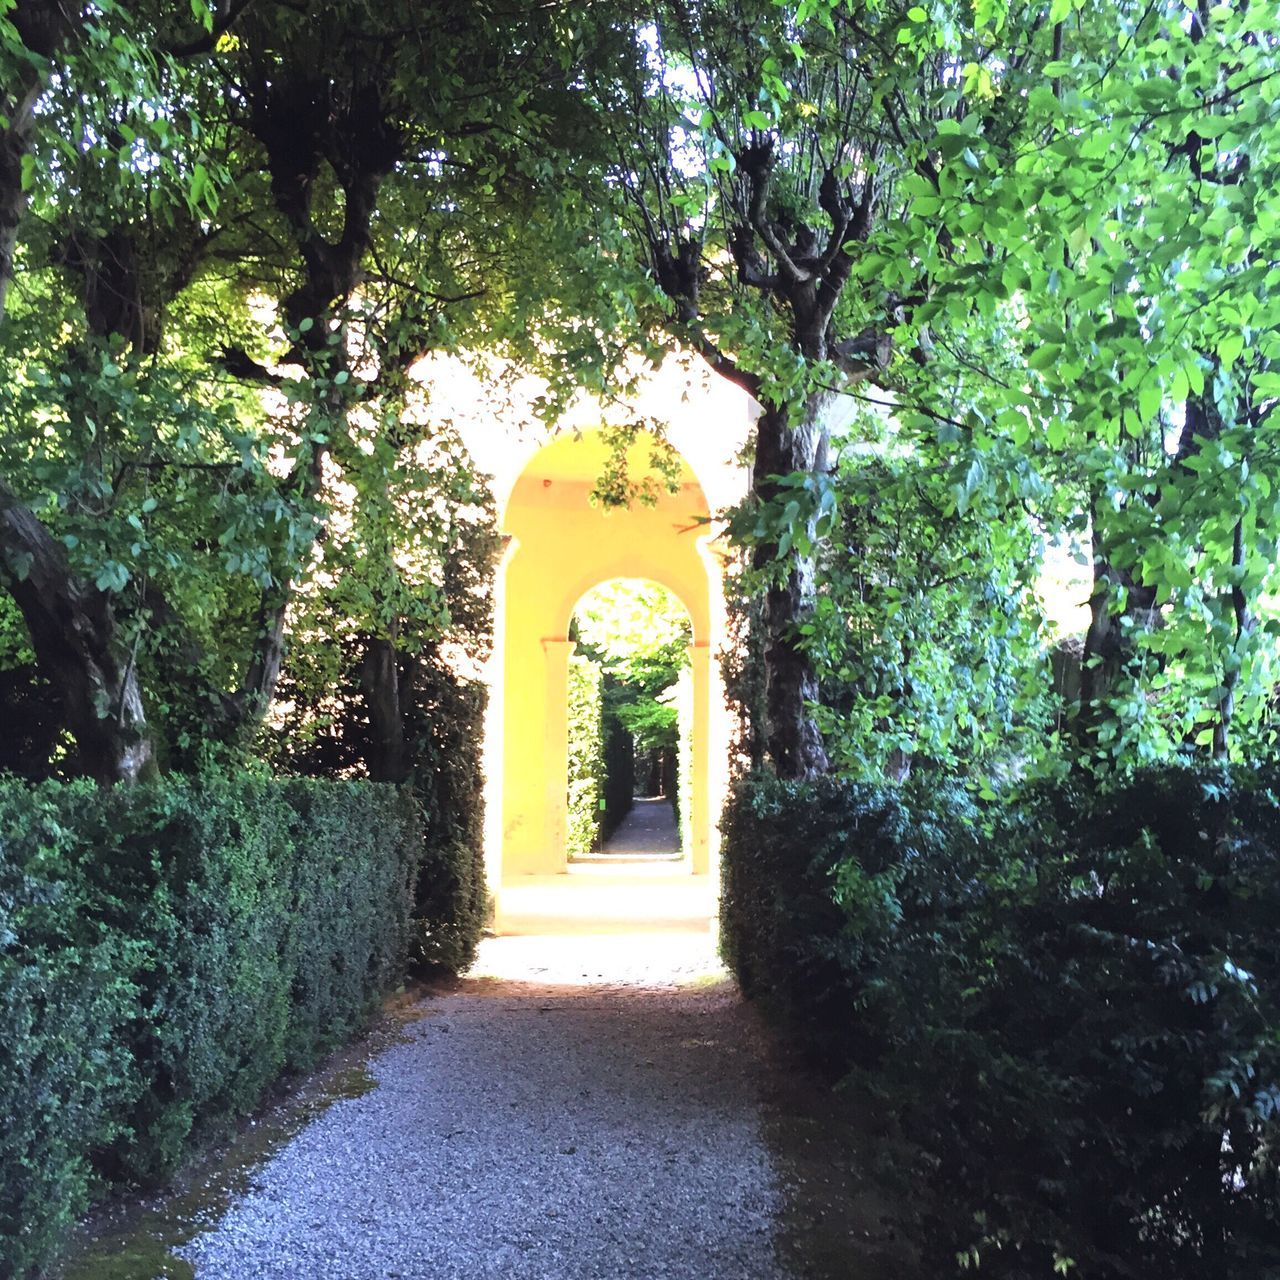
579, 1108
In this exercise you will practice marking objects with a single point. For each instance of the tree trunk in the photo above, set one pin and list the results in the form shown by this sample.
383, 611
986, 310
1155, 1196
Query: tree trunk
1244, 625
792, 738
1100, 663
74, 636
1108, 646
380, 680
43, 26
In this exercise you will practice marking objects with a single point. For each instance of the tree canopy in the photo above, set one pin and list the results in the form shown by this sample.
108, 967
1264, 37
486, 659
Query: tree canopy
1001, 276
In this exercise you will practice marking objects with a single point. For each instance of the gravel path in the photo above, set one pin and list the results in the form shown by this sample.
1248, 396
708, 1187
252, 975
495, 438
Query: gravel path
650, 827
597, 1115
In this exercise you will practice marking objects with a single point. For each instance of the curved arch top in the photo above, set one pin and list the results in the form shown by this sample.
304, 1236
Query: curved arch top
628, 578
565, 544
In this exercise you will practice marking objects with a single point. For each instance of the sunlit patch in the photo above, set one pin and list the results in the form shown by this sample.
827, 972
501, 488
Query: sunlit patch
604, 928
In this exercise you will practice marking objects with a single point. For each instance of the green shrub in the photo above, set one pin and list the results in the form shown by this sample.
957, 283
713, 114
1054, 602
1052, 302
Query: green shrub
66, 991
166, 952
1071, 1006
619, 763
586, 757
451, 899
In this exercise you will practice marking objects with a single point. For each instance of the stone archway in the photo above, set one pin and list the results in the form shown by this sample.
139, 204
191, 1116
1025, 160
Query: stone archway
560, 545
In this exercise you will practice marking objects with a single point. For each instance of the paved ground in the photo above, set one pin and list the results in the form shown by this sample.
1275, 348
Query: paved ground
580, 1107
610, 898
587, 1103
650, 827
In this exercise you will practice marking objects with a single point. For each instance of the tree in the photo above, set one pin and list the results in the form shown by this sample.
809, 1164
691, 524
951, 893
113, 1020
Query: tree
247, 194
71, 620
761, 148
1110, 213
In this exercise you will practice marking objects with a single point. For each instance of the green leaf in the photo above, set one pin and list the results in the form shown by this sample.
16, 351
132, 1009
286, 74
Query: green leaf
1150, 398
1230, 348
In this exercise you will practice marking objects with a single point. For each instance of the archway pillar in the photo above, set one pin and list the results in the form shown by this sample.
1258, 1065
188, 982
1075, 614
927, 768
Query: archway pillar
556, 754
700, 754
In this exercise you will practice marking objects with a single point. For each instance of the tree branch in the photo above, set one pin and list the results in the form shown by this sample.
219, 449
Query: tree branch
207, 42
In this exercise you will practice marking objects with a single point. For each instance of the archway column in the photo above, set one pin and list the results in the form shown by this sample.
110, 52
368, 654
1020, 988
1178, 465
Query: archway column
556, 752
700, 754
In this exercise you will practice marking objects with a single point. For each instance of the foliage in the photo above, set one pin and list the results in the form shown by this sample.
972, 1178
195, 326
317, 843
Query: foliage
1096, 222
1044, 240
451, 900
619, 761
166, 952
1069, 1006
209, 350
926, 633
585, 801
641, 633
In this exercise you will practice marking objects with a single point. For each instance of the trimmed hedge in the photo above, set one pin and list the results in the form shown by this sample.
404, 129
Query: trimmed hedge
585, 800
619, 781
166, 952
451, 903
1070, 1006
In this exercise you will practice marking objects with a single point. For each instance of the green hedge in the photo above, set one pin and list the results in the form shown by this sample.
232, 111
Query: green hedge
619, 780
585, 799
166, 952
451, 902
1070, 1006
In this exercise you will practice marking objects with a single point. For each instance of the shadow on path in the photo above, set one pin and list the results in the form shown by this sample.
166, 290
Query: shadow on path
578, 1107
650, 828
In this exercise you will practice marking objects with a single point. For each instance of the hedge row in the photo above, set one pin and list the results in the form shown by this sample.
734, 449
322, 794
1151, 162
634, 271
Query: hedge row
584, 801
451, 905
166, 952
619, 780
1069, 1006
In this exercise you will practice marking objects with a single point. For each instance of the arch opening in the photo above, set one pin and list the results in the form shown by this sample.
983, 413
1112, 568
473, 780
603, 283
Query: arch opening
562, 544
630, 725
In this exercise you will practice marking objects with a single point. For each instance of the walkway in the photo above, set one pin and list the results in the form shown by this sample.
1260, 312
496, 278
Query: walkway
581, 1106
650, 828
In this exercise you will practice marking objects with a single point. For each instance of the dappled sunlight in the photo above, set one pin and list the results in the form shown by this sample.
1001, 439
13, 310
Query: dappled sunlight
596, 960
600, 927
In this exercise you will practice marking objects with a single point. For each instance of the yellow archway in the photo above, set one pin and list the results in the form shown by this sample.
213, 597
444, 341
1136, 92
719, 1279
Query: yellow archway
559, 545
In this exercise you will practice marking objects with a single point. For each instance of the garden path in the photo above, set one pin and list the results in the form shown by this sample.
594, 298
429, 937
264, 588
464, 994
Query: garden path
649, 828
581, 1105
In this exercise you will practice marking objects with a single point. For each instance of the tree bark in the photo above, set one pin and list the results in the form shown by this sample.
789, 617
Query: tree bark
380, 680
1244, 625
43, 26
792, 738
77, 648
